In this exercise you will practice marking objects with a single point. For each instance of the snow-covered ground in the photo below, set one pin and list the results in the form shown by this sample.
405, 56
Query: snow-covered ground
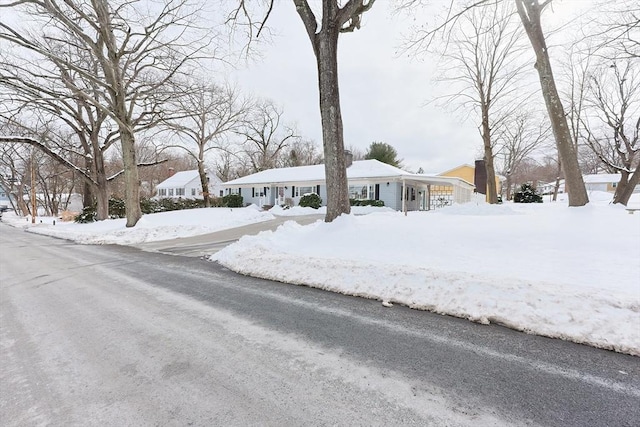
150, 228
571, 273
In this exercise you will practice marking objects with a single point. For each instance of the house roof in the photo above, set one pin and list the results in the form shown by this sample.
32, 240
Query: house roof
465, 165
179, 179
361, 169
600, 178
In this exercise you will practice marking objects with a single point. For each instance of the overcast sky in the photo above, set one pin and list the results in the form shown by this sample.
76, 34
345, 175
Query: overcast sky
383, 94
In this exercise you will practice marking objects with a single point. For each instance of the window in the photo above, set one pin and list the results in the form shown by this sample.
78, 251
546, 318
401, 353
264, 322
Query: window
358, 192
193, 191
221, 193
162, 192
301, 191
179, 191
170, 192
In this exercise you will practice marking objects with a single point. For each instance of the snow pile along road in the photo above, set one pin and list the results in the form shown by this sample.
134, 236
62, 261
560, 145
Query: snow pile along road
570, 273
154, 227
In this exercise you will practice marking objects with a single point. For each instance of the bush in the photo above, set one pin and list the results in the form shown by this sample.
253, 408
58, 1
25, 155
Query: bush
147, 206
311, 200
375, 203
527, 194
87, 215
116, 208
232, 201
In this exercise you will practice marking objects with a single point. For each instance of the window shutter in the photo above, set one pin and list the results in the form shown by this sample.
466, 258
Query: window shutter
239, 191
253, 192
318, 189
377, 192
293, 191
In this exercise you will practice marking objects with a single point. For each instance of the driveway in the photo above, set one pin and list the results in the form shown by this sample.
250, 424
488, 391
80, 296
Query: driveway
206, 244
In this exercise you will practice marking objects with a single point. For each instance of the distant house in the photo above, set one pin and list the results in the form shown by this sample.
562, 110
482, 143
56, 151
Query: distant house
367, 180
478, 178
606, 182
187, 185
5, 201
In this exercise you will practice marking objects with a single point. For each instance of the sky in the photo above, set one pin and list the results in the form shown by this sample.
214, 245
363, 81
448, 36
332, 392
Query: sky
565, 282
384, 94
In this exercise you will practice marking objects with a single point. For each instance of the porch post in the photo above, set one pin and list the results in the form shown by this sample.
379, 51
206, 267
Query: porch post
404, 202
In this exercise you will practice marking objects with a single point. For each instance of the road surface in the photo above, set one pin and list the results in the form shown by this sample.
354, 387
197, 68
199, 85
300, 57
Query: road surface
109, 335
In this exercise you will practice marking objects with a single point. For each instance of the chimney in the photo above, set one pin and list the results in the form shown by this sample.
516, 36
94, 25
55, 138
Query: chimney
480, 177
348, 158
172, 172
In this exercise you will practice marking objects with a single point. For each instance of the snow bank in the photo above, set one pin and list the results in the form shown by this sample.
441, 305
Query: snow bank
152, 227
570, 273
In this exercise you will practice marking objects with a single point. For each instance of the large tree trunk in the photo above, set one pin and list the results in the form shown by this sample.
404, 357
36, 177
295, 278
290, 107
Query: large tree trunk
529, 11
332, 132
131, 179
102, 198
625, 187
97, 193
204, 182
492, 192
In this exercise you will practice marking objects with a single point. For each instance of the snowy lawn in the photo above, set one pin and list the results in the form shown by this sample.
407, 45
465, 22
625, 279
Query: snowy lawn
152, 227
571, 273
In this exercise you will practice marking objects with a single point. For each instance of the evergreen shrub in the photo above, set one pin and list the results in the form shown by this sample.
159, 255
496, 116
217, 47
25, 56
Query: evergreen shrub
232, 201
375, 203
311, 200
527, 194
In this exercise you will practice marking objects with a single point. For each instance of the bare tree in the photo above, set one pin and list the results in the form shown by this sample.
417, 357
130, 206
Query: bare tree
323, 31
265, 136
613, 128
14, 174
203, 116
530, 13
135, 56
620, 25
516, 140
301, 153
70, 130
482, 58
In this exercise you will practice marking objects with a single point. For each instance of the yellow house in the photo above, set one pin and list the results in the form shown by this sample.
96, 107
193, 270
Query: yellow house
468, 173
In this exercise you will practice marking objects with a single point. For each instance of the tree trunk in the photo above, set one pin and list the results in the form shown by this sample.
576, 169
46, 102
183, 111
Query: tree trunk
131, 179
101, 195
556, 188
625, 187
529, 11
492, 192
204, 183
326, 49
509, 184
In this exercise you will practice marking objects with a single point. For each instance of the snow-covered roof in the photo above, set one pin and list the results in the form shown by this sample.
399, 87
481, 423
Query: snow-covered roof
361, 169
179, 179
600, 178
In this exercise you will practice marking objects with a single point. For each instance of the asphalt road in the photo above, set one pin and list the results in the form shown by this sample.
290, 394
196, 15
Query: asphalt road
108, 335
207, 244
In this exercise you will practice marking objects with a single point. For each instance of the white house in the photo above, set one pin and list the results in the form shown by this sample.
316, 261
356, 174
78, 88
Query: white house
368, 180
187, 185
606, 182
